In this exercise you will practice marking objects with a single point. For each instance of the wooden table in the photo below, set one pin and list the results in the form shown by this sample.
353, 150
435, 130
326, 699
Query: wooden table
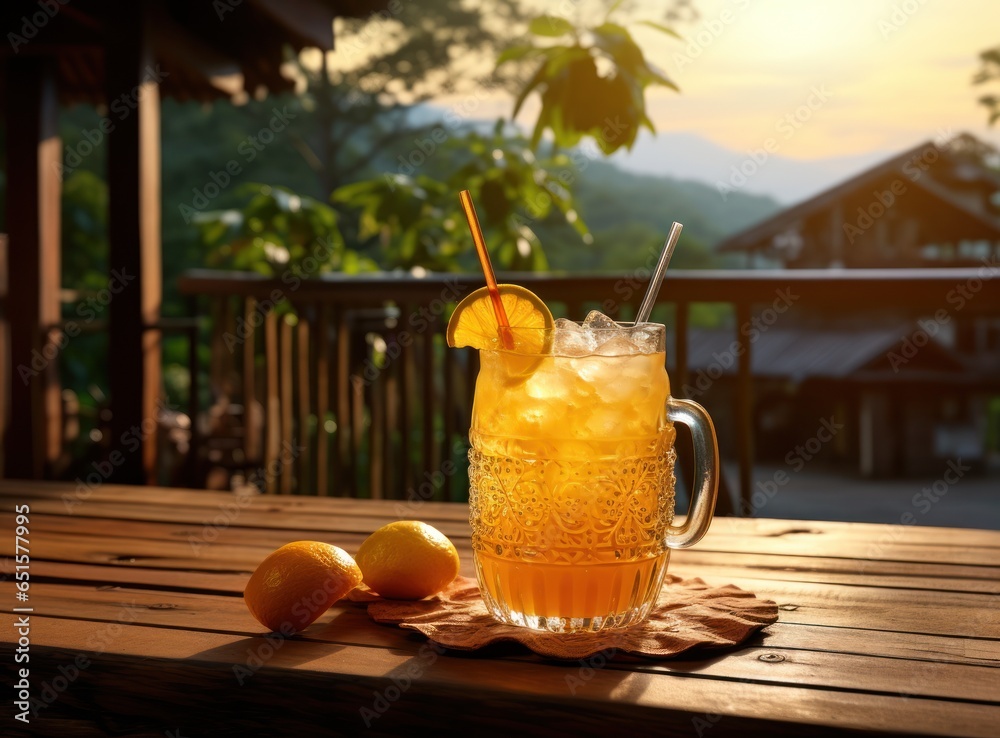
138, 628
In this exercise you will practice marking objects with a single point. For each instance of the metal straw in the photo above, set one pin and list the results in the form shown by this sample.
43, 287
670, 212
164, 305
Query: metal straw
661, 269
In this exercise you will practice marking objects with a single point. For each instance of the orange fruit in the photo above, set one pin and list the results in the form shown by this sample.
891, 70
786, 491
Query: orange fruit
297, 583
407, 560
474, 322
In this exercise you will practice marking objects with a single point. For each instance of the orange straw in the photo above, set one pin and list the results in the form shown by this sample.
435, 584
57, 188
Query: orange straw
506, 337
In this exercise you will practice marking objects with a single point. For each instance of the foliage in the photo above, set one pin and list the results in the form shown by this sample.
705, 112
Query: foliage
592, 83
417, 220
84, 231
361, 96
277, 232
989, 72
629, 215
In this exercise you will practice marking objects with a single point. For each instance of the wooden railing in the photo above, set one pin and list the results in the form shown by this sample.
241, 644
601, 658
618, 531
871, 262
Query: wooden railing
342, 385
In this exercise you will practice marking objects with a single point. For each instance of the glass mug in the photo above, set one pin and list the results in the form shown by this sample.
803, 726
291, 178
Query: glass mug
572, 484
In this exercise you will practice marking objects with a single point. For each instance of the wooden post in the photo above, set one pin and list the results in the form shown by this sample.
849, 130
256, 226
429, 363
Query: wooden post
133, 149
677, 387
837, 256
34, 154
744, 409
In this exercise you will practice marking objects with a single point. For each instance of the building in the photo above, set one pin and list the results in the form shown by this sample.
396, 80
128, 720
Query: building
906, 407
937, 204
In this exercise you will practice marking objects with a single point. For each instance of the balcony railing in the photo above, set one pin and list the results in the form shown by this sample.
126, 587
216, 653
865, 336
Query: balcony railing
342, 385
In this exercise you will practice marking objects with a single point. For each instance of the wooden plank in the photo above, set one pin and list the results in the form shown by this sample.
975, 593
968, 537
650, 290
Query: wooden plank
913, 646
863, 543
787, 635
168, 499
162, 580
392, 432
719, 568
322, 400
305, 482
272, 410
357, 429
915, 611
261, 515
248, 515
286, 380
252, 428
376, 438
223, 522
428, 410
407, 405
344, 467
893, 656
330, 684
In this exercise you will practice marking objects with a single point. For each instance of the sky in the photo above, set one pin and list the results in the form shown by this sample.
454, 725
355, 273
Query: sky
855, 75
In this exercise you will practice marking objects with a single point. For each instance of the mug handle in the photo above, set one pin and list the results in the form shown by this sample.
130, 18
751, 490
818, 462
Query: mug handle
706, 472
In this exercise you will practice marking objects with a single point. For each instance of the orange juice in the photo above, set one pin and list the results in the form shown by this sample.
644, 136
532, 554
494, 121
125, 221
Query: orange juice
571, 487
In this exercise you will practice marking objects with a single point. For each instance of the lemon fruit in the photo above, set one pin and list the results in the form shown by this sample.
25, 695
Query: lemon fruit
299, 582
407, 560
474, 322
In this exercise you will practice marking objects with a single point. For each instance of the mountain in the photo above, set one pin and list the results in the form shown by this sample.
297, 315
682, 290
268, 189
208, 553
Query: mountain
629, 215
689, 156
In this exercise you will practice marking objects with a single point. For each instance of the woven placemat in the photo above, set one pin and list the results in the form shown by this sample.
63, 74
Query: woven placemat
688, 614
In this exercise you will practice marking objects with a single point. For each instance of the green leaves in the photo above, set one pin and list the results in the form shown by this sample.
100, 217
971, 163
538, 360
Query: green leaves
990, 71
577, 99
661, 28
550, 25
277, 232
417, 221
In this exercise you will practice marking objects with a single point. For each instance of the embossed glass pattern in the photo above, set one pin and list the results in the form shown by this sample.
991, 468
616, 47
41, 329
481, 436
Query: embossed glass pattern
572, 486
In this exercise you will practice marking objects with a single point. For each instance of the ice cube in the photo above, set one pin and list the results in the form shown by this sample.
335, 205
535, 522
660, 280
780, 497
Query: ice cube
618, 345
596, 320
646, 338
572, 340
603, 329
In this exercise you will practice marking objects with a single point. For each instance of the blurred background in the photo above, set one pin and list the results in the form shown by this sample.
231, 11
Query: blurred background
233, 237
